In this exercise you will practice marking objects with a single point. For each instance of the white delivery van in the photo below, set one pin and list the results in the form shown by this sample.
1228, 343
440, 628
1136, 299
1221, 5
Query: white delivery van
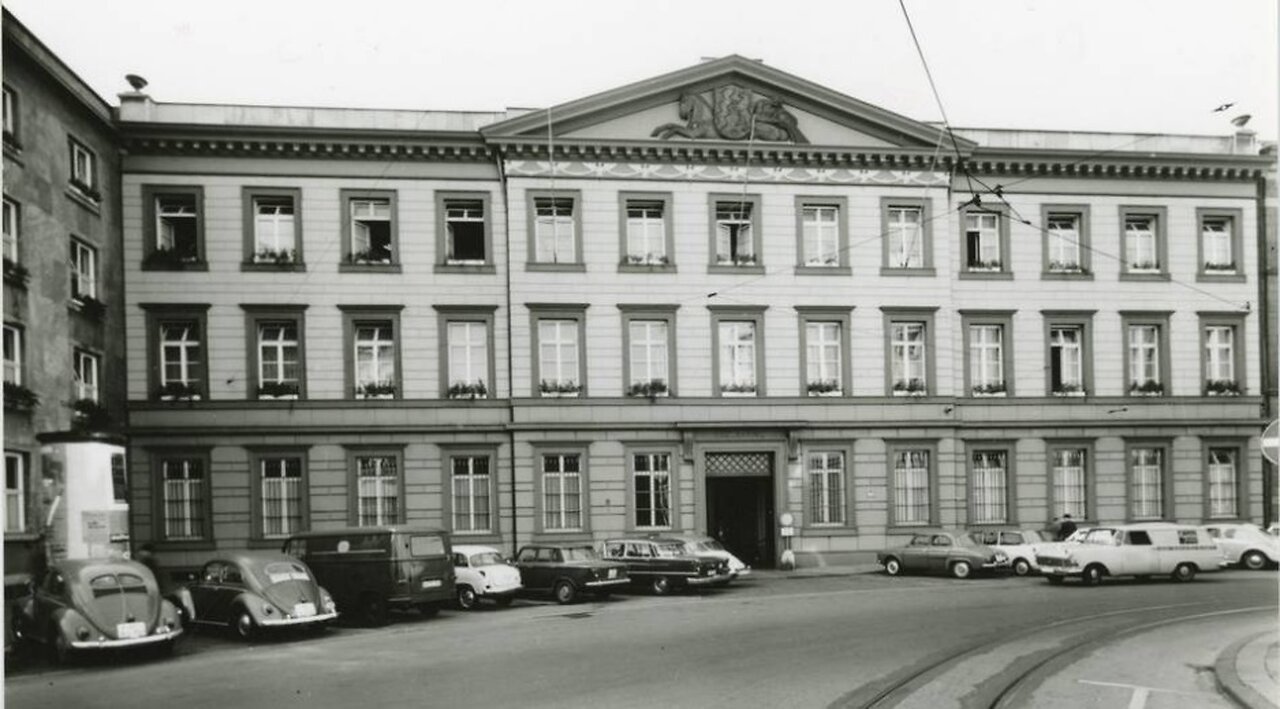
1140, 550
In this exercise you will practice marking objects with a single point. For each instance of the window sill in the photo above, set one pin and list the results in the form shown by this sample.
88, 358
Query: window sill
1147, 277
369, 268
84, 200
646, 268
13, 152
294, 267
986, 275
556, 267
187, 266
1211, 277
486, 268
754, 268
928, 272
1066, 276
824, 271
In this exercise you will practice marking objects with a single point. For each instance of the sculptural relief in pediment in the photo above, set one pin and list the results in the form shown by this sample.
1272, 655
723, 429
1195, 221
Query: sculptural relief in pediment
732, 112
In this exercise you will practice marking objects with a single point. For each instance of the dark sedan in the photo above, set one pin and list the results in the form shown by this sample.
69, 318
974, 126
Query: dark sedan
663, 564
251, 592
946, 553
567, 571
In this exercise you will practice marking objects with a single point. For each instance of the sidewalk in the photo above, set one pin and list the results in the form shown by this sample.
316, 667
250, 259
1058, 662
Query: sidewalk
1249, 671
817, 571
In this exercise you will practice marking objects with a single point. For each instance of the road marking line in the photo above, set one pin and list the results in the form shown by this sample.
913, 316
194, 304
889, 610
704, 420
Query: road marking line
1146, 690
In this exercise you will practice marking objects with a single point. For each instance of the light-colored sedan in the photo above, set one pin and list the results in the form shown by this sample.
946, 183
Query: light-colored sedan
483, 572
1017, 544
1245, 545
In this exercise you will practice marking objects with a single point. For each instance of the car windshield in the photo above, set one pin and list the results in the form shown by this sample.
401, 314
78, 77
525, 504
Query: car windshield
670, 550
580, 554
487, 558
285, 571
710, 545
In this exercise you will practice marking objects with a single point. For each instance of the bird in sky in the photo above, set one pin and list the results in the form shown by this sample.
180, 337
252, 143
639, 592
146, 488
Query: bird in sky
1223, 107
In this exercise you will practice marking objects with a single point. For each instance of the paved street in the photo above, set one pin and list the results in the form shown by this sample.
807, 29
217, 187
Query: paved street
846, 640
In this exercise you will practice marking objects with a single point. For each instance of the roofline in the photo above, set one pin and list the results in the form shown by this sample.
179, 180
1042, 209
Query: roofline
24, 39
326, 108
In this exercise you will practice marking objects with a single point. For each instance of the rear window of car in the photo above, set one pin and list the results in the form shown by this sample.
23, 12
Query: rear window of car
426, 545
106, 584
285, 571
487, 558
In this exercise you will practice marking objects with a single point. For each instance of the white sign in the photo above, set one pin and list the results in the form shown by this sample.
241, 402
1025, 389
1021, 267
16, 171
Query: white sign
788, 531
1271, 442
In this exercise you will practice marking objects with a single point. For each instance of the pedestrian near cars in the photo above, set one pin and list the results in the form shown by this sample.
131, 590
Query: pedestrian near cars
1066, 528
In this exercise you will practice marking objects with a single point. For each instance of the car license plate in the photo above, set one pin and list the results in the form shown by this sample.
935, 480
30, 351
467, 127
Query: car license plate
304, 610
613, 573
126, 631
433, 583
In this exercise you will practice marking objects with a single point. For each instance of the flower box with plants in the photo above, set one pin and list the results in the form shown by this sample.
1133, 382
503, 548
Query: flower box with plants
1143, 267
1222, 387
988, 265
90, 416
990, 389
162, 259
376, 390
559, 388
374, 257
736, 260
278, 257
1149, 387
87, 190
279, 390
19, 398
910, 387
468, 390
1228, 267
91, 307
646, 260
178, 391
16, 273
738, 389
1069, 390
651, 389
1065, 267
823, 387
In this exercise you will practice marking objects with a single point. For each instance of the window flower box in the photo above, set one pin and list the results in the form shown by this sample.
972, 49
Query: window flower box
1222, 387
19, 398
738, 389
554, 388
651, 389
279, 390
737, 260
1069, 390
375, 390
910, 387
86, 190
646, 260
89, 415
169, 260
468, 390
823, 387
1228, 267
992, 389
1148, 388
16, 274
91, 307
178, 391
279, 257
980, 265
1143, 266
369, 256
1064, 267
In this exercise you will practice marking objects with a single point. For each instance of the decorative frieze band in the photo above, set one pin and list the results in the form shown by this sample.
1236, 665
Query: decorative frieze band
723, 173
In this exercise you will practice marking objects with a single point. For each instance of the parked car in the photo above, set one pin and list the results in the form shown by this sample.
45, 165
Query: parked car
568, 571
942, 552
663, 565
482, 572
1139, 550
1018, 545
97, 604
1245, 545
16, 588
253, 592
370, 570
702, 545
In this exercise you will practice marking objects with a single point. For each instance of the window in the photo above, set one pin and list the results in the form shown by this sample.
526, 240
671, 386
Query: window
279, 359
370, 230
826, 487
12, 355
377, 489
465, 236
1222, 363
1223, 482
559, 355
86, 368
84, 170
989, 486
11, 118
1144, 242
648, 355
275, 223
556, 234
471, 504
823, 360
1147, 487
466, 337
561, 492
987, 337
737, 358
908, 358
1068, 474
652, 485
1065, 240
84, 271
907, 236
280, 494
646, 236
734, 233
173, 227
1220, 245
375, 359
181, 359
15, 488
986, 242
1146, 361
912, 485
12, 230
184, 493
1069, 363
822, 234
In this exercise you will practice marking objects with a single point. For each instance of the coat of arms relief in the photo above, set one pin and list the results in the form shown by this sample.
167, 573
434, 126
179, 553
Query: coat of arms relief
732, 113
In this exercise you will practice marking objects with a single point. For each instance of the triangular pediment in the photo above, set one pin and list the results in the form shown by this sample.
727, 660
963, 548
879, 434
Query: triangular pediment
732, 99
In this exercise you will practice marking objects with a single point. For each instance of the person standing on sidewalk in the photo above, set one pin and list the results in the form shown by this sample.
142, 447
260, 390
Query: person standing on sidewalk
1066, 528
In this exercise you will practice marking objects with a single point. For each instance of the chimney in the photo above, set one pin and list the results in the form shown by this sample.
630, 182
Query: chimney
135, 105
1245, 142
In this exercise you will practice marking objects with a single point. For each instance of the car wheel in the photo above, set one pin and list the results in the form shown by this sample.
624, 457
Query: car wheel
373, 610
504, 601
961, 570
1092, 575
467, 599
660, 586
1054, 580
1021, 567
893, 567
243, 626
1254, 560
566, 592
1184, 572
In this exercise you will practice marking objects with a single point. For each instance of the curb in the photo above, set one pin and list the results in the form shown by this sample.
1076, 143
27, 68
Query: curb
1228, 677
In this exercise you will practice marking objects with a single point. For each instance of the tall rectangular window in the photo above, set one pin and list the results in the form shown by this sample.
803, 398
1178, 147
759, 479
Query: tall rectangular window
281, 493
911, 488
12, 229
180, 358
1064, 243
84, 170
652, 480
646, 232
735, 242
1141, 249
1146, 483
555, 237
1070, 491
907, 358
84, 270
648, 343
905, 238
86, 375
471, 505
986, 360
737, 358
1066, 360
279, 359
375, 359
12, 355
558, 364
15, 487
821, 237
824, 361
371, 231
826, 487
274, 229
465, 224
1144, 360
561, 492
990, 486
982, 241
377, 490
184, 503
1223, 483
468, 343
1216, 245
1220, 360
10, 117
178, 226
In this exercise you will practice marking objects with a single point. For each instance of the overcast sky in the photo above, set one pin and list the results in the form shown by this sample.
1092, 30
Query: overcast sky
1117, 65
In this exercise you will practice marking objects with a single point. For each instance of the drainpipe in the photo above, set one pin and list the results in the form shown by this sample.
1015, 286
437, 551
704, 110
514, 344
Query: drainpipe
1265, 325
511, 381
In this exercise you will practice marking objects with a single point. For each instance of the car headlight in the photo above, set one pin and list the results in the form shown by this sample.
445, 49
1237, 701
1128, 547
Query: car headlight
267, 609
82, 633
